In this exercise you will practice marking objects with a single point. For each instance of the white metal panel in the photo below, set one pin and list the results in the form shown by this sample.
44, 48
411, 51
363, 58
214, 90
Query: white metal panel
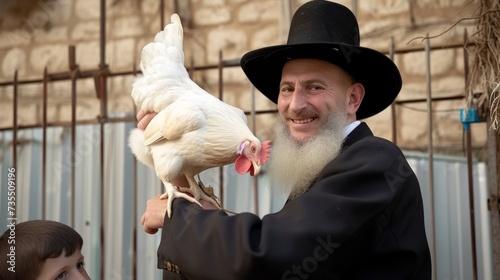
451, 200
452, 215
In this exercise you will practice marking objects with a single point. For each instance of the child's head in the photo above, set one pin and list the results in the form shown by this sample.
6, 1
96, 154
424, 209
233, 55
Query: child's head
43, 250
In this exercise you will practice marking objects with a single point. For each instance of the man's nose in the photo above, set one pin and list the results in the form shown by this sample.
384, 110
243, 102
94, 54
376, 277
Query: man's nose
298, 101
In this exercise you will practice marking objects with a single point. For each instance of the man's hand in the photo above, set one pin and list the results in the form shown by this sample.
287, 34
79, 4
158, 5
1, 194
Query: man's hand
153, 217
156, 208
144, 118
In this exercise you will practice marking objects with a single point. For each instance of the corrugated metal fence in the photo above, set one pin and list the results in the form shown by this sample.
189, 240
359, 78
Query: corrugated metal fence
129, 251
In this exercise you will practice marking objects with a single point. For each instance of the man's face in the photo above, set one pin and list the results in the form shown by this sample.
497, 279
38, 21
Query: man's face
310, 90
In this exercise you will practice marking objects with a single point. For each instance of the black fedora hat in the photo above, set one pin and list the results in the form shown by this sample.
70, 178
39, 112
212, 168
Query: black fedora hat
327, 31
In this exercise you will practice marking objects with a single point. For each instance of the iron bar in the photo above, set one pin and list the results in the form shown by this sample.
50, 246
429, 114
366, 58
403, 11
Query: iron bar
254, 129
221, 168
162, 14
470, 174
63, 76
134, 203
176, 6
84, 74
73, 68
259, 112
44, 140
442, 98
102, 94
15, 129
431, 156
393, 105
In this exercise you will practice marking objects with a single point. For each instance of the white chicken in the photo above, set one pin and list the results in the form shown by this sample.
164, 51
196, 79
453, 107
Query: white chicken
193, 130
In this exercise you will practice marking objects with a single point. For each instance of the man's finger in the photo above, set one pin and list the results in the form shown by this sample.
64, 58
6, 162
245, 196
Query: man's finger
150, 230
140, 115
145, 119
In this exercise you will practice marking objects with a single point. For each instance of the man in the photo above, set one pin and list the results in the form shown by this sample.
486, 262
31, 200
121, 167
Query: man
355, 208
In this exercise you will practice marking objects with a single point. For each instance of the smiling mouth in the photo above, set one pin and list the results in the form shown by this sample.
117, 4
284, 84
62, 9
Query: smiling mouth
302, 121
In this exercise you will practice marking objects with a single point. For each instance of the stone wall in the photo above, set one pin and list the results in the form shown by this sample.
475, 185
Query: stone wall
35, 34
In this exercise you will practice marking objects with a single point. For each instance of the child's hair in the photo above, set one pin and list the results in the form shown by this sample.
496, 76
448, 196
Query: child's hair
35, 241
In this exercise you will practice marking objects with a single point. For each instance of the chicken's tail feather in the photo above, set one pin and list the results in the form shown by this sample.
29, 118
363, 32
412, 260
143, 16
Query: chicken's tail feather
167, 44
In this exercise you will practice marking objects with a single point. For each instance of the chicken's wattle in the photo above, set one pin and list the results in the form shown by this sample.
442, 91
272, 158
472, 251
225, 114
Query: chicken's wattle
243, 165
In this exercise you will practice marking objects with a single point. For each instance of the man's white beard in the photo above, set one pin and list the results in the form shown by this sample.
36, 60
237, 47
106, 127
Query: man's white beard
293, 166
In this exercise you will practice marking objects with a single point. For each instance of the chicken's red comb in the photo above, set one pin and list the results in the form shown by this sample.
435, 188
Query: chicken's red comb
265, 152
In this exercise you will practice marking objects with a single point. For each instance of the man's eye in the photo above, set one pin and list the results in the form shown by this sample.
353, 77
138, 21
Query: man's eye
80, 265
286, 90
315, 88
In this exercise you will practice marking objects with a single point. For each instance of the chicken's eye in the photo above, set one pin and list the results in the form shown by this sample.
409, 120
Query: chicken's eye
254, 149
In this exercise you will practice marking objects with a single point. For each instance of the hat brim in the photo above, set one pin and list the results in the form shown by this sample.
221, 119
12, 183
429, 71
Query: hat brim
378, 73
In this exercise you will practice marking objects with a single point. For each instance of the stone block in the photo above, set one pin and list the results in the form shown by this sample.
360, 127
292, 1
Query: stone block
381, 124
266, 36
149, 7
127, 27
88, 54
84, 31
87, 109
25, 118
448, 85
254, 12
54, 35
412, 125
120, 55
121, 106
15, 58
441, 62
6, 120
52, 56
87, 9
383, 8
209, 16
231, 40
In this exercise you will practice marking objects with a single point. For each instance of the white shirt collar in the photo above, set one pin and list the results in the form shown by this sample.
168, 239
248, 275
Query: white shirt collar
350, 127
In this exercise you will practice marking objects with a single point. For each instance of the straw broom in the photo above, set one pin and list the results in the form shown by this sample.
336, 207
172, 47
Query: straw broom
485, 70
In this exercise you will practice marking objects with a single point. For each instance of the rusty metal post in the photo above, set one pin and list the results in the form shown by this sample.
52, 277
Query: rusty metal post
393, 105
431, 156
44, 140
470, 175
220, 69
102, 92
162, 14
74, 72
134, 199
255, 178
15, 128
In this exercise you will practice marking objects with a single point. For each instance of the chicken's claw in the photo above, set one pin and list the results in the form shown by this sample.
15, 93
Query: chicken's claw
208, 194
171, 193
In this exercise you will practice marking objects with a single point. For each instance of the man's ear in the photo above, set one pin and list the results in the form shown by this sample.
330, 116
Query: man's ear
355, 95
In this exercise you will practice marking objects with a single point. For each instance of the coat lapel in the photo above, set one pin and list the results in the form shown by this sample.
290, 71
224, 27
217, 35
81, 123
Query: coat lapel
360, 132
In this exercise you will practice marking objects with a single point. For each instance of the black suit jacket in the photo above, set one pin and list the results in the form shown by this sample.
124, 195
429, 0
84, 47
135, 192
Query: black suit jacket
362, 218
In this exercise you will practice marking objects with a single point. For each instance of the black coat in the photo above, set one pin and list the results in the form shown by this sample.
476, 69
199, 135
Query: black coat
361, 219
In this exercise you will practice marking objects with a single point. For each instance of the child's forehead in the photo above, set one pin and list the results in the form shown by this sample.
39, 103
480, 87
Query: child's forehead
52, 267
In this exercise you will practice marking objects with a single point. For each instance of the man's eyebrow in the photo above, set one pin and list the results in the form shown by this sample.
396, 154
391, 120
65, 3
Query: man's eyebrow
308, 81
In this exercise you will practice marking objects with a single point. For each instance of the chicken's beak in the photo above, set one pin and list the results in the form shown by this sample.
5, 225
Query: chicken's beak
255, 168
